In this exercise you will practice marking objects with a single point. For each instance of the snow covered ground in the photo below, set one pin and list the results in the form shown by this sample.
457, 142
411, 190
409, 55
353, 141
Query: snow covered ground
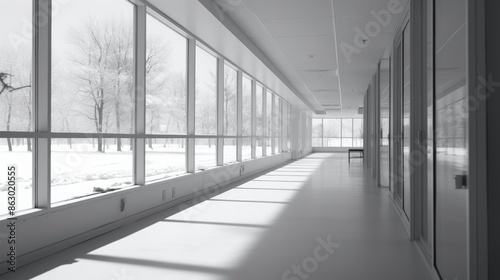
76, 171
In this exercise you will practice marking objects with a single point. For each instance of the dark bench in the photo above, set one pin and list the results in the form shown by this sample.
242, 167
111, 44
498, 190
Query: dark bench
361, 153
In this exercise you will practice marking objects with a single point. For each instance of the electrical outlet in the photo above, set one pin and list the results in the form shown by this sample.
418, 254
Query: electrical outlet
164, 195
173, 192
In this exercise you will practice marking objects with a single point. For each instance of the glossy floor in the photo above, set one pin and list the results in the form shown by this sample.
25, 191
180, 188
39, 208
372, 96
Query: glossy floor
316, 218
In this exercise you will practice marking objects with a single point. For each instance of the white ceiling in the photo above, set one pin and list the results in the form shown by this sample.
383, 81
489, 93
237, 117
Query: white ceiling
302, 38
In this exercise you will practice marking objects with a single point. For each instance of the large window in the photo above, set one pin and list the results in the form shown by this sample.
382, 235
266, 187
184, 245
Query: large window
337, 132
166, 68
92, 92
230, 113
259, 121
16, 99
206, 93
124, 104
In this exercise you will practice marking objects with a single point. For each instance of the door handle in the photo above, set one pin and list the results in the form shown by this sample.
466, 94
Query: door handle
461, 182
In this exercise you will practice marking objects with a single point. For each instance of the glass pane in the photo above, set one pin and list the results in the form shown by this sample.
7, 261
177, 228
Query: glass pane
259, 147
205, 153
15, 66
357, 128
428, 192
79, 169
346, 128
451, 118
206, 93
247, 107
165, 158
166, 87
406, 120
384, 122
317, 132
357, 142
347, 142
269, 113
268, 146
246, 149
332, 142
92, 85
332, 128
230, 106
258, 113
16, 165
229, 150
277, 124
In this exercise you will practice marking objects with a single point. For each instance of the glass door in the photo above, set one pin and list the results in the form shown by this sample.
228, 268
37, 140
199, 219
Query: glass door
406, 120
451, 159
385, 98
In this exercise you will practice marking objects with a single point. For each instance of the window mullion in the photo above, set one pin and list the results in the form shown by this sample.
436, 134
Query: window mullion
140, 94
254, 119
42, 102
220, 111
239, 116
191, 80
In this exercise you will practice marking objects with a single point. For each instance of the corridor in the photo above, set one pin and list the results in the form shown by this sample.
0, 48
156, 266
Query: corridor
315, 218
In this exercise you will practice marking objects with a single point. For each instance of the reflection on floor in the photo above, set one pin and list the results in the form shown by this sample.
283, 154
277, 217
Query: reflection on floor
316, 218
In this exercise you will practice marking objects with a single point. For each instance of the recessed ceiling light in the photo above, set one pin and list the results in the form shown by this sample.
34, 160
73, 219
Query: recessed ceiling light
312, 56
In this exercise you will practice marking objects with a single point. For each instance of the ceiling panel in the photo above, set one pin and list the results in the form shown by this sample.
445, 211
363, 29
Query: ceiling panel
312, 59
306, 43
299, 27
287, 9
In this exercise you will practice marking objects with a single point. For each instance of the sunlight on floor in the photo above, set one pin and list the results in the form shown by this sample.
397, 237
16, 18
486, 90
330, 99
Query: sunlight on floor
177, 247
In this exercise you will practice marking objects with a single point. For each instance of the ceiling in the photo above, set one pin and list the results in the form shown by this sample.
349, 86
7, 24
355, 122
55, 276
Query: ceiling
309, 40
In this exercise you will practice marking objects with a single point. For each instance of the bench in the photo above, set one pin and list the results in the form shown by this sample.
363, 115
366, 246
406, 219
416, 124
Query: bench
360, 152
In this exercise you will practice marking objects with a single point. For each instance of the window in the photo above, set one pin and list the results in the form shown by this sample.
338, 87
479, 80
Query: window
92, 86
92, 91
205, 153
165, 158
269, 122
317, 132
166, 70
15, 67
337, 132
206, 93
14, 152
332, 133
259, 121
277, 125
357, 130
346, 132
229, 150
230, 105
16, 99
246, 149
230, 113
247, 107
78, 169
258, 110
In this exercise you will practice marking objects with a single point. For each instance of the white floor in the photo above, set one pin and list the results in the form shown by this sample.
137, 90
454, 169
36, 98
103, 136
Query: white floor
316, 218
